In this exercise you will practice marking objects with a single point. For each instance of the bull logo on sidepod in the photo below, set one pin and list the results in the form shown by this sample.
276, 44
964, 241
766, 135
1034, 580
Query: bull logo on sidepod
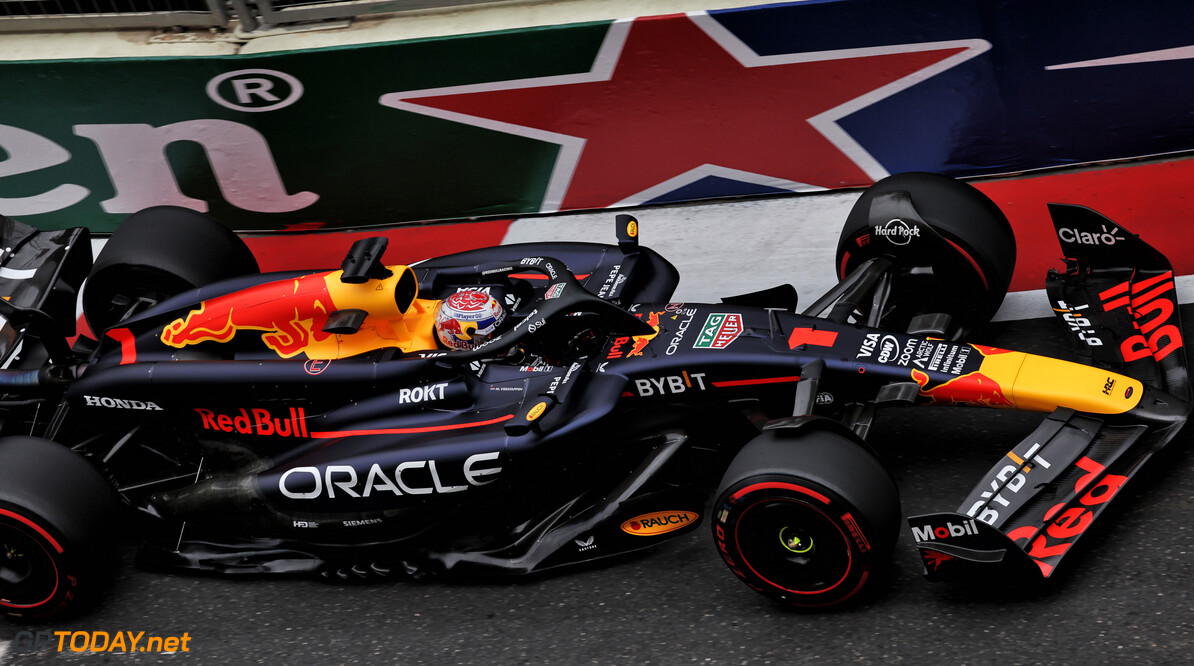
292, 314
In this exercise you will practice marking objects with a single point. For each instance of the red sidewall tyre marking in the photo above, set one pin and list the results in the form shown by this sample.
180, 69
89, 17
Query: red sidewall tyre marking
779, 484
37, 528
977, 269
849, 552
46, 538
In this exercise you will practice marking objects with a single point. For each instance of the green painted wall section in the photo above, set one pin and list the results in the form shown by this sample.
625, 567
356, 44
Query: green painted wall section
90, 141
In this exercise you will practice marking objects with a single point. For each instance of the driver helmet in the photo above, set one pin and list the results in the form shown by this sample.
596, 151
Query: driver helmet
468, 318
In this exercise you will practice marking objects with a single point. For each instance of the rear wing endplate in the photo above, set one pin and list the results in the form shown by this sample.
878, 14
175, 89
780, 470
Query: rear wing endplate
41, 273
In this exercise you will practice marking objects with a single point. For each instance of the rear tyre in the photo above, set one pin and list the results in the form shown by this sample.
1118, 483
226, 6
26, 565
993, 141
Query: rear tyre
971, 270
806, 517
58, 523
157, 253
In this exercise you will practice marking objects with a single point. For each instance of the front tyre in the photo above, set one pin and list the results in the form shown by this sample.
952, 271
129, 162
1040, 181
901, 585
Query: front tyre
964, 271
58, 518
806, 517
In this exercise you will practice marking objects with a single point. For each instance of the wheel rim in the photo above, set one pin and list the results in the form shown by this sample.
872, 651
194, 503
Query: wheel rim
793, 546
795, 540
28, 569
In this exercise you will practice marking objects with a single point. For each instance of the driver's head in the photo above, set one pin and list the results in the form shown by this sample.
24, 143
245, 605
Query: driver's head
468, 318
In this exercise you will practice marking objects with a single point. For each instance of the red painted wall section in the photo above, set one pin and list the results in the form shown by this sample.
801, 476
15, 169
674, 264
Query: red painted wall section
1152, 200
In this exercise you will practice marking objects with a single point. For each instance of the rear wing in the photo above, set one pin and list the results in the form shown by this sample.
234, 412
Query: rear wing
1118, 305
41, 273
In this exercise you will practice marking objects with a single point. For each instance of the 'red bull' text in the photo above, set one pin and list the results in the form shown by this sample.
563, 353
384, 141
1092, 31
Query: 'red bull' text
258, 422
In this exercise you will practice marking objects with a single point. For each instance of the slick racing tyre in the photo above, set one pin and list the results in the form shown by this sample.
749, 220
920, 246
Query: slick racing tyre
157, 253
58, 518
962, 270
806, 517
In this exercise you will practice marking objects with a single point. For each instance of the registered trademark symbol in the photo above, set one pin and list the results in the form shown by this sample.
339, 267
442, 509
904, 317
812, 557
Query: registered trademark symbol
254, 90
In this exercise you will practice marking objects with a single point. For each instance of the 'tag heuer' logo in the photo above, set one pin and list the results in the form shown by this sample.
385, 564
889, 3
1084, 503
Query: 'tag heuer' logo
719, 331
659, 522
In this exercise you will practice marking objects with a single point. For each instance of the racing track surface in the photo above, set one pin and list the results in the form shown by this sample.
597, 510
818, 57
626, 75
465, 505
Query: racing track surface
1126, 596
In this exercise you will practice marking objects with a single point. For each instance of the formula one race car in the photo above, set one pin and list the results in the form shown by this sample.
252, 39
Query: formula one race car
238, 422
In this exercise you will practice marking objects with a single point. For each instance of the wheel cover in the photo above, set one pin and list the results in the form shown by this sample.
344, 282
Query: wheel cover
796, 540
793, 545
28, 563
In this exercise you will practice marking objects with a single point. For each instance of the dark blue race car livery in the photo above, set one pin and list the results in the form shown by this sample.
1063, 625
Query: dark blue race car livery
238, 422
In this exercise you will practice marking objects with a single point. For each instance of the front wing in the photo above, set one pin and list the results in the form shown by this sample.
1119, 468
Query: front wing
1118, 304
